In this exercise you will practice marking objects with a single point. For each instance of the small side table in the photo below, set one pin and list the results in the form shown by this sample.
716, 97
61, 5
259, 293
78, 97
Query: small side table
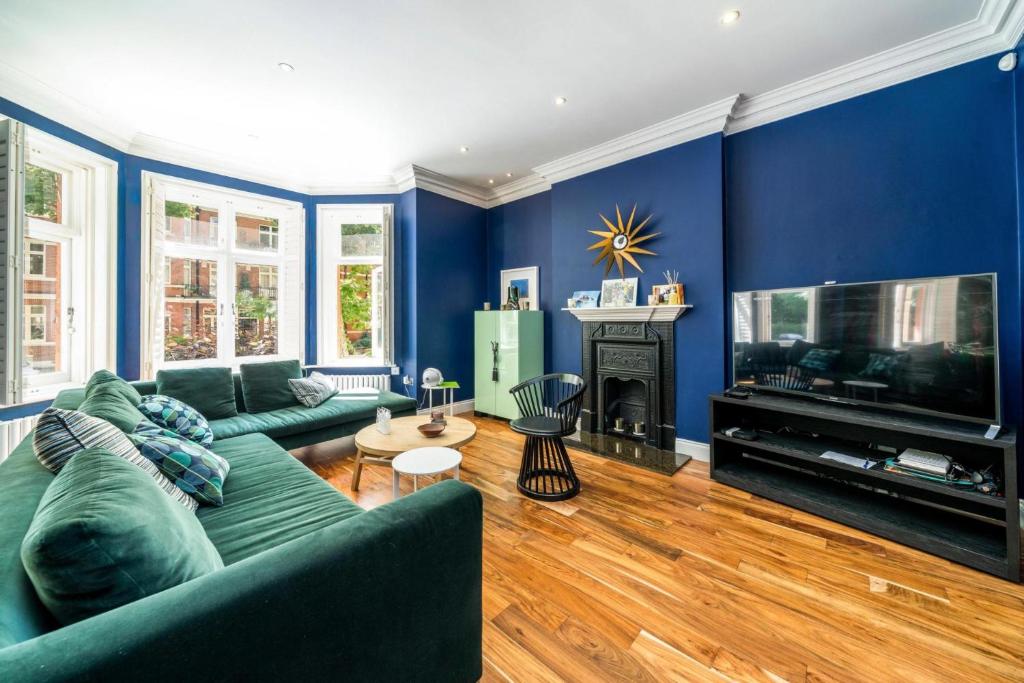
443, 387
425, 461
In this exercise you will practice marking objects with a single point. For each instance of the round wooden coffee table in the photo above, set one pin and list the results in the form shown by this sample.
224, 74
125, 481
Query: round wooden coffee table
374, 448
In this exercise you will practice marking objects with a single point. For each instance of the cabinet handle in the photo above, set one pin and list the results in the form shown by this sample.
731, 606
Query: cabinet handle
494, 365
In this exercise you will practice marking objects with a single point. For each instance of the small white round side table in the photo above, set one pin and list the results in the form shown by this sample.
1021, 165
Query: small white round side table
424, 461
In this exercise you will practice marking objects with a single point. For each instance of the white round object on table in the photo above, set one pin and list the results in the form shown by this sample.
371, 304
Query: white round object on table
425, 461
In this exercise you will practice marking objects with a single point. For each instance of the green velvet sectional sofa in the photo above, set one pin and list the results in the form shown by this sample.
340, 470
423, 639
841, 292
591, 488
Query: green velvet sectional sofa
313, 587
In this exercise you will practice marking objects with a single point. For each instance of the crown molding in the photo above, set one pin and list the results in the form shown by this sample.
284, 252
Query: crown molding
997, 27
425, 179
711, 118
35, 95
180, 154
519, 189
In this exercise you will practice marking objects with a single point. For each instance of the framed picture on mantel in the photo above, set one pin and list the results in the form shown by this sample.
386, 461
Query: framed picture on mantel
618, 293
528, 284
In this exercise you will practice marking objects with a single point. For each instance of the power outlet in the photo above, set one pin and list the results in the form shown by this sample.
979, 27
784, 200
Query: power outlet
407, 381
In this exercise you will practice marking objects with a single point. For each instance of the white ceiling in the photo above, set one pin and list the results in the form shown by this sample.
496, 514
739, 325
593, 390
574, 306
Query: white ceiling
383, 84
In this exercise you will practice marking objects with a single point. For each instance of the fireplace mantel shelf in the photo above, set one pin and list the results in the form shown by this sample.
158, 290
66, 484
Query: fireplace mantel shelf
664, 313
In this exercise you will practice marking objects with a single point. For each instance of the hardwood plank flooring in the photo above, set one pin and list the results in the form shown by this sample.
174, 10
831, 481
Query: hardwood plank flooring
644, 577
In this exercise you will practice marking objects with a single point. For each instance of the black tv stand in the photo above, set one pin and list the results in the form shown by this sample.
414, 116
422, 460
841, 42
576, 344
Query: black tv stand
785, 464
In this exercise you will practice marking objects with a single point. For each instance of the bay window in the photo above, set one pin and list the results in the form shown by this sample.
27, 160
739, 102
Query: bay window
354, 247
57, 227
217, 289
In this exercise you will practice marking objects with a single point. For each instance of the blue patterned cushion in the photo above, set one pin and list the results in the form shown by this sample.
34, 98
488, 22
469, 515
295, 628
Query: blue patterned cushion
880, 365
819, 360
178, 417
193, 469
62, 434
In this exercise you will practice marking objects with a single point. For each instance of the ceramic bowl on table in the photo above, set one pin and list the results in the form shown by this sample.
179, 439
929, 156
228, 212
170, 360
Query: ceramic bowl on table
432, 429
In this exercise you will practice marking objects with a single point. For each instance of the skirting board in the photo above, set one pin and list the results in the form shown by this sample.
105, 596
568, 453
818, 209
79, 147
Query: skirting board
697, 450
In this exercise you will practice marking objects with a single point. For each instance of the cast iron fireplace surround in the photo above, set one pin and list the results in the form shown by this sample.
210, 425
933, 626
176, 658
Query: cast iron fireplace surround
630, 372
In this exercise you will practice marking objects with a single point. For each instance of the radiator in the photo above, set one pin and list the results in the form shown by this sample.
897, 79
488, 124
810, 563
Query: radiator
13, 431
382, 382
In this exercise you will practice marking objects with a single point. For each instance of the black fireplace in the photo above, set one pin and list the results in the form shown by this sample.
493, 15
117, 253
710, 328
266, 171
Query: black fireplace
629, 407
630, 373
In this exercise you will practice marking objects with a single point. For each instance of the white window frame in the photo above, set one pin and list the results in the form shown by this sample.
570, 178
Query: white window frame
327, 296
228, 203
88, 237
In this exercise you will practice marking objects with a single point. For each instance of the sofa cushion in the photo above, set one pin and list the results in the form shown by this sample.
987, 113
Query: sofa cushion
270, 498
104, 535
60, 435
265, 385
211, 391
23, 481
110, 398
178, 417
313, 390
197, 471
287, 421
121, 386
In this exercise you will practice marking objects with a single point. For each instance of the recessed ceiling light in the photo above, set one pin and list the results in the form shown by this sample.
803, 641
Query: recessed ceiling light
730, 17
561, 100
509, 174
464, 149
286, 67
490, 181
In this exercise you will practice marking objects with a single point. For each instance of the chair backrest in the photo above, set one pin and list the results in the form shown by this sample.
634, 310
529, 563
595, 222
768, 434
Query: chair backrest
784, 376
558, 395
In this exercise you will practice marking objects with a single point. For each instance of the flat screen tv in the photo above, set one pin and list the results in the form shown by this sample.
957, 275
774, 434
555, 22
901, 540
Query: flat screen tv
925, 345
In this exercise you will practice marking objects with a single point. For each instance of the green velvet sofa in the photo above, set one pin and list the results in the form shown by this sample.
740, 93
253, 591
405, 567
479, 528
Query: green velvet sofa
313, 588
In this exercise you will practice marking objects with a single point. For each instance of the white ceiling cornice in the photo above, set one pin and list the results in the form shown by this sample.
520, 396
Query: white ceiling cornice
998, 27
708, 119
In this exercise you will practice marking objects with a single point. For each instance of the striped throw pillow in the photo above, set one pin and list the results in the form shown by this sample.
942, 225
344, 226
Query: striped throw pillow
313, 390
60, 434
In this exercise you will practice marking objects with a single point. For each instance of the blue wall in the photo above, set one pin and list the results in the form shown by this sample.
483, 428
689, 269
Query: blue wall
682, 188
519, 236
911, 181
450, 284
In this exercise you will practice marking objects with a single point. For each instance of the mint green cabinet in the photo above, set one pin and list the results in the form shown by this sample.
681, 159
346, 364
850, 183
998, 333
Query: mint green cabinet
520, 339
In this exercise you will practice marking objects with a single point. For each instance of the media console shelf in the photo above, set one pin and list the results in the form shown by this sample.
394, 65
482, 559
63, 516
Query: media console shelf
785, 464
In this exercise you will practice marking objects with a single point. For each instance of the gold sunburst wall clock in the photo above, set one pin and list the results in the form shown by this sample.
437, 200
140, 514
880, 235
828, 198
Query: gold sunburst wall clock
619, 243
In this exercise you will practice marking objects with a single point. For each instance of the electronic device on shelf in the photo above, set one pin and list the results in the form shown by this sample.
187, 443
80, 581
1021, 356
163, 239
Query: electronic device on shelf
738, 391
738, 433
925, 461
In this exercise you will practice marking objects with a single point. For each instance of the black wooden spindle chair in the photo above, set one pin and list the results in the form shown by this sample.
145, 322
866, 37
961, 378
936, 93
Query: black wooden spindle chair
549, 406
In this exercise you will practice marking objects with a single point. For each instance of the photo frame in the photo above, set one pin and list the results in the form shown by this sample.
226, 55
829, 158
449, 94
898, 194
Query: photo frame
584, 298
673, 294
527, 278
619, 293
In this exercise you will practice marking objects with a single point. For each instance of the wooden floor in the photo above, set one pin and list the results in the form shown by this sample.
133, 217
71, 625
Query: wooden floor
644, 577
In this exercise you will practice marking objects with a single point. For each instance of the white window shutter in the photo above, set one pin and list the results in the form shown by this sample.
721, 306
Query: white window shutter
389, 294
153, 301
12, 232
292, 294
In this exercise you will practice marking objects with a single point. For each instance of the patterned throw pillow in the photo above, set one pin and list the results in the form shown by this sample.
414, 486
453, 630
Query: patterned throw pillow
193, 469
60, 434
880, 365
819, 360
313, 390
178, 417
